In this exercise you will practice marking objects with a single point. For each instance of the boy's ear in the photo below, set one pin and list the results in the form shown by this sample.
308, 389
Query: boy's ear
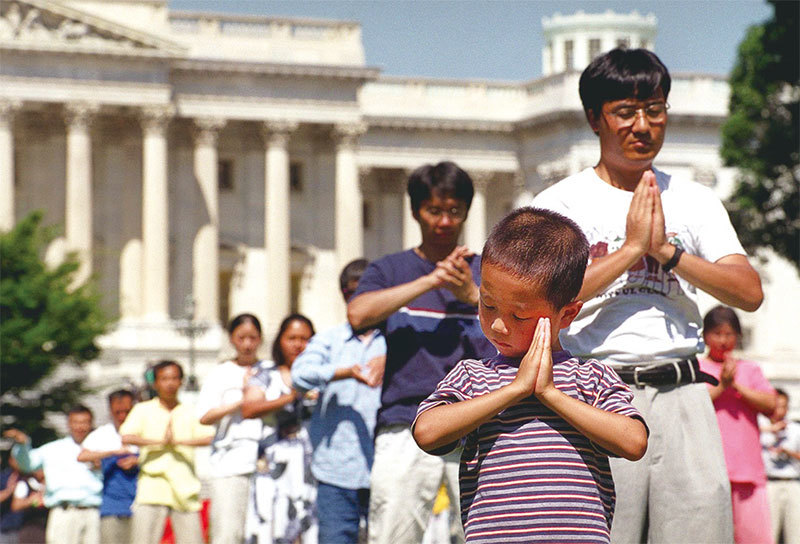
569, 313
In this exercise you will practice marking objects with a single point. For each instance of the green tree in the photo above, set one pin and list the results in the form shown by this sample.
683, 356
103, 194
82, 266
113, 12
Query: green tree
761, 135
45, 322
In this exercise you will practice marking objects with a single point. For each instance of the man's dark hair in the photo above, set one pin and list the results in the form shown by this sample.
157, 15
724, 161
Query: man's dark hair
782, 393
244, 318
622, 73
159, 366
352, 271
541, 247
119, 394
721, 315
80, 409
445, 179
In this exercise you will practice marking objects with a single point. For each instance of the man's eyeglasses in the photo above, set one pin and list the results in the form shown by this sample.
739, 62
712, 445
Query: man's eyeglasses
453, 213
626, 115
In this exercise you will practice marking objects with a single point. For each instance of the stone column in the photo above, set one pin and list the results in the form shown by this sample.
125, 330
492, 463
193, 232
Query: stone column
8, 110
412, 237
155, 223
348, 200
79, 202
475, 227
523, 196
276, 219
205, 254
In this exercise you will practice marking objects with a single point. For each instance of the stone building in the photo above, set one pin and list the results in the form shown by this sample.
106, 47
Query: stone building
238, 162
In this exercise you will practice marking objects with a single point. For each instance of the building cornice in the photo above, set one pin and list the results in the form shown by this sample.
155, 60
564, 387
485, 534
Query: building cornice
423, 123
262, 68
188, 14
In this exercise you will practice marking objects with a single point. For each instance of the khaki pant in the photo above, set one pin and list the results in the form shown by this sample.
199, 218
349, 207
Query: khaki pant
784, 505
70, 525
149, 521
229, 498
403, 486
679, 491
115, 529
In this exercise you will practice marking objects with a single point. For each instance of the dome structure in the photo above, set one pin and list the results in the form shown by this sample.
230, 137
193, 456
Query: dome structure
572, 41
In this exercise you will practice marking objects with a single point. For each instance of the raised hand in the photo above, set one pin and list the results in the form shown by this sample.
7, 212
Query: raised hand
16, 435
639, 222
456, 275
659, 245
372, 374
127, 462
535, 374
169, 439
728, 374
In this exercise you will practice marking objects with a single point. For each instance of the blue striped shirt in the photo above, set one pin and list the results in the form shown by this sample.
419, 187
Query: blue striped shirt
526, 475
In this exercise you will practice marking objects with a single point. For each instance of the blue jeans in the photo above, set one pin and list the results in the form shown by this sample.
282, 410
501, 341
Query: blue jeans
339, 511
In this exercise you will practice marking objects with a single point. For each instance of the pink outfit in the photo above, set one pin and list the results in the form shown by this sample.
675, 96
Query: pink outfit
741, 443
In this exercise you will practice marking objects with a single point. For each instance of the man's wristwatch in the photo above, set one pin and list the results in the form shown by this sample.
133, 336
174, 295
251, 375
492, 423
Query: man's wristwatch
673, 261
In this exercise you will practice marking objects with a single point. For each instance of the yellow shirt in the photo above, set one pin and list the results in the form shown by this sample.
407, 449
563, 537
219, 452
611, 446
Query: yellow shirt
166, 473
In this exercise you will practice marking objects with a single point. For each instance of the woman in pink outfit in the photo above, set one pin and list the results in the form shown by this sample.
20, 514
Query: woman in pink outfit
742, 393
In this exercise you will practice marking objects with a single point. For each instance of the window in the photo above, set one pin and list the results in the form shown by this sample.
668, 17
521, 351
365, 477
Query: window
551, 55
225, 175
624, 43
569, 56
296, 177
643, 44
594, 48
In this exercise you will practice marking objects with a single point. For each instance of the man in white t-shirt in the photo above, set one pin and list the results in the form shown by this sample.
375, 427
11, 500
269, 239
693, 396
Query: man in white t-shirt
655, 240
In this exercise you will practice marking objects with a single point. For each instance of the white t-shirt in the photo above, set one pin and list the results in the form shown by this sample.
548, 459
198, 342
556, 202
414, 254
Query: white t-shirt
645, 314
103, 438
235, 446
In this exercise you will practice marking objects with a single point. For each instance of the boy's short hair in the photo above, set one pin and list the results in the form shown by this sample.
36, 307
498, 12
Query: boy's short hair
119, 394
79, 409
541, 247
159, 366
352, 271
622, 73
782, 393
445, 178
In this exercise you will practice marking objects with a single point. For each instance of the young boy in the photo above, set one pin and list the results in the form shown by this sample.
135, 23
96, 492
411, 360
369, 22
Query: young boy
166, 432
536, 428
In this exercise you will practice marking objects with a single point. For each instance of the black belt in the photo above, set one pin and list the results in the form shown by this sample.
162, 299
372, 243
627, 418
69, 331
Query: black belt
69, 505
675, 373
783, 479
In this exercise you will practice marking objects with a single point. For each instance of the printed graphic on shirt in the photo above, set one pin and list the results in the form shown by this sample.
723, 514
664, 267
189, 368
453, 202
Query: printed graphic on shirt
645, 276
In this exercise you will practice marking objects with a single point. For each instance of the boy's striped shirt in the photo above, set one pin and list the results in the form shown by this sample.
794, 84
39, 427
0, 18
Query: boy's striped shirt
526, 475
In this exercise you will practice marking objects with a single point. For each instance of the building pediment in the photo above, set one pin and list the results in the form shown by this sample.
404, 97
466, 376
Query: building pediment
46, 25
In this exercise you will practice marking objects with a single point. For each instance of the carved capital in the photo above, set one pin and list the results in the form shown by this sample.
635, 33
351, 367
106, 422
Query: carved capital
154, 119
79, 115
206, 130
518, 182
277, 132
8, 110
347, 134
481, 179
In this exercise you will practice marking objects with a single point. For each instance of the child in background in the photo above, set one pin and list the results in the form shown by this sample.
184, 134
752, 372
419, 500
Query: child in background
536, 428
742, 393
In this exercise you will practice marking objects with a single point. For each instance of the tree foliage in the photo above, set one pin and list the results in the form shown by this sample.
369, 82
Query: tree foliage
761, 135
45, 322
